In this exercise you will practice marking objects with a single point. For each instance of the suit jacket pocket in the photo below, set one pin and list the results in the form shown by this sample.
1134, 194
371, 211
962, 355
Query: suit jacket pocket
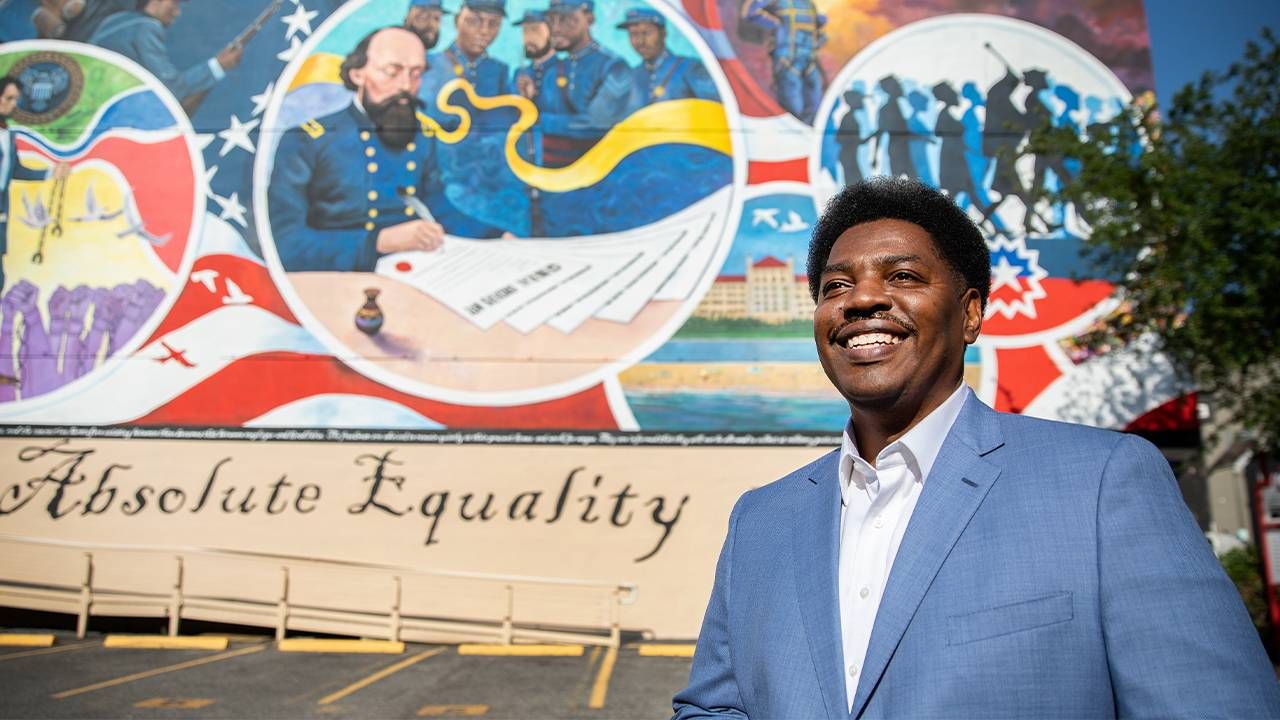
1008, 619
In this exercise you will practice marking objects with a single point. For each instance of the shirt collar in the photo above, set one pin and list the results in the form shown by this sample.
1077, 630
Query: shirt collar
657, 62
919, 446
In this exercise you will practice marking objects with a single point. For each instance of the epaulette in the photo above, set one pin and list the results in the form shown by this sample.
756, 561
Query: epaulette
312, 128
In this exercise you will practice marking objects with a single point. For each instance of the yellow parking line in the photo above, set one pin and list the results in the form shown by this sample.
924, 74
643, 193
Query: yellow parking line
389, 670
323, 645
46, 651
667, 650
601, 689
521, 650
166, 642
158, 671
42, 640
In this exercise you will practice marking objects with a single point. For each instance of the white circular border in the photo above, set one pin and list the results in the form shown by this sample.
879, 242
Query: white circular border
184, 128
972, 22
264, 162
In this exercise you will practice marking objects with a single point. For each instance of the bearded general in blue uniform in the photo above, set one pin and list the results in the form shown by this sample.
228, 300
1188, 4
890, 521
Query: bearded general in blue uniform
795, 35
335, 194
661, 75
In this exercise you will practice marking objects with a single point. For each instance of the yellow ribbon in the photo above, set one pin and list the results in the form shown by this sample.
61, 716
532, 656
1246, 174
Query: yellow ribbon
701, 123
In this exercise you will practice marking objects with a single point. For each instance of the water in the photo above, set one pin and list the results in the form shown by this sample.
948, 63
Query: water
737, 412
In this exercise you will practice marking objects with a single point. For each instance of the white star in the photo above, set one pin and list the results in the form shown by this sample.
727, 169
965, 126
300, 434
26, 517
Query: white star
209, 172
299, 21
260, 100
1004, 274
291, 52
237, 136
231, 209
203, 140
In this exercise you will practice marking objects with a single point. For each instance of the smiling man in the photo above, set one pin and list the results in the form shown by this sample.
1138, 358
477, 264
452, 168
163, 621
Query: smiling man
949, 560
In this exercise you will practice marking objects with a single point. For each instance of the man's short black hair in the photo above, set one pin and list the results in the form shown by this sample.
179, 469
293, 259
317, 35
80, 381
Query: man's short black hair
957, 239
8, 80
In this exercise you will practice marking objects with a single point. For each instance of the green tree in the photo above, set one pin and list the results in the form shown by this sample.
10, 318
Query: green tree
1184, 207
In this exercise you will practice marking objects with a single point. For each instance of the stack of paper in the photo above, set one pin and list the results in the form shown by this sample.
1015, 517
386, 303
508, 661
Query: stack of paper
562, 282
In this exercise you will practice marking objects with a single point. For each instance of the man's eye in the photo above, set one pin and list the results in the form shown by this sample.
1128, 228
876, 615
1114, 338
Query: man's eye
902, 276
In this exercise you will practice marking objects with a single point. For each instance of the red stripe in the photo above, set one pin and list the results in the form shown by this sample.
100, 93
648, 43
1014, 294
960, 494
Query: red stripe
703, 12
1179, 414
162, 181
196, 300
283, 377
1023, 373
760, 171
753, 101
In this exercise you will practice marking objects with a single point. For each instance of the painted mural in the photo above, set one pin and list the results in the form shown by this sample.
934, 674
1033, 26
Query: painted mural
524, 214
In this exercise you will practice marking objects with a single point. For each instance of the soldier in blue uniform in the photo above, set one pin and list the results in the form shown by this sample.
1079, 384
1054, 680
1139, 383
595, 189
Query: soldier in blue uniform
587, 92
334, 198
661, 75
140, 36
541, 54
467, 57
423, 19
795, 29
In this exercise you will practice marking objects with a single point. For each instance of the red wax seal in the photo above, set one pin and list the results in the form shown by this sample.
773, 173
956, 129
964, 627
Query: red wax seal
403, 266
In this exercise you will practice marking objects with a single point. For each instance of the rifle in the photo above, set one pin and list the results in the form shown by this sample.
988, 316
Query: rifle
1008, 68
191, 102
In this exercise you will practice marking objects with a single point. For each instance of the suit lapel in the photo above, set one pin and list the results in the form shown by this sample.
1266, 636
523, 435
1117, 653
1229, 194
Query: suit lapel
815, 542
951, 494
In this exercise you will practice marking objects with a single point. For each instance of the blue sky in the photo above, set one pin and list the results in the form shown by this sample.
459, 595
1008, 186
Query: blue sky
1191, 36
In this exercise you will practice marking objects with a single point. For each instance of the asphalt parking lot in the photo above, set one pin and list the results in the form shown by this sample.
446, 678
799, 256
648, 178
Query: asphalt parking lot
254, 678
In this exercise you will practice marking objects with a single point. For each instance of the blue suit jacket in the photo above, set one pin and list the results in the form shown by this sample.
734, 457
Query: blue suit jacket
1049, 570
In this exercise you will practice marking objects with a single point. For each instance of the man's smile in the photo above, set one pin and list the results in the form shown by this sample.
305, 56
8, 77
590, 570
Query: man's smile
865, 341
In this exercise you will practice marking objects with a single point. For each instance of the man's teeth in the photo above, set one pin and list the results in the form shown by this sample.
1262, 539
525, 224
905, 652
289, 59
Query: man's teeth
872, 339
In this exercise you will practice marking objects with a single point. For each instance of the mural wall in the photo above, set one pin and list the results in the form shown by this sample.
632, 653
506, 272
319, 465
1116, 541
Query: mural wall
559, 223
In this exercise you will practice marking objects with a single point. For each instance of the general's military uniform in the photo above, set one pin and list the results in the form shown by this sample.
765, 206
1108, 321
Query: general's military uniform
795, 28
141, 38
335, 186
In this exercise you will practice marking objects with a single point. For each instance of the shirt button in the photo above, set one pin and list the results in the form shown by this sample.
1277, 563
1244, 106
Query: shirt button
369, 226
373, 212
853, 671
369, 152
364, 135
411, 147
373, 195
411, 165
864, 592
879, 522
371, 167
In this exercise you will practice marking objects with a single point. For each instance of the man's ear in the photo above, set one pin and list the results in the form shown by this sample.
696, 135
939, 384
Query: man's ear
972, 301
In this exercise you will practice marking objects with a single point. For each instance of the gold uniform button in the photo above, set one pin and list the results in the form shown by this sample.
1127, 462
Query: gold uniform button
408, 211
411, 165
411, 190
411, 147
369, 152
373, 212
373, 195
372, 167
369, 226
364, 135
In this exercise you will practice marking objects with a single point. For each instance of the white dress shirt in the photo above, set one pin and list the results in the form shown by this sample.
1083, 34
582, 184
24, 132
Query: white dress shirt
876, 503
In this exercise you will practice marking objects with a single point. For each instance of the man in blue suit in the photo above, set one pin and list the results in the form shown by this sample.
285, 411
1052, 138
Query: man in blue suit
11, 167
661, 75
949, 560
140, 36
